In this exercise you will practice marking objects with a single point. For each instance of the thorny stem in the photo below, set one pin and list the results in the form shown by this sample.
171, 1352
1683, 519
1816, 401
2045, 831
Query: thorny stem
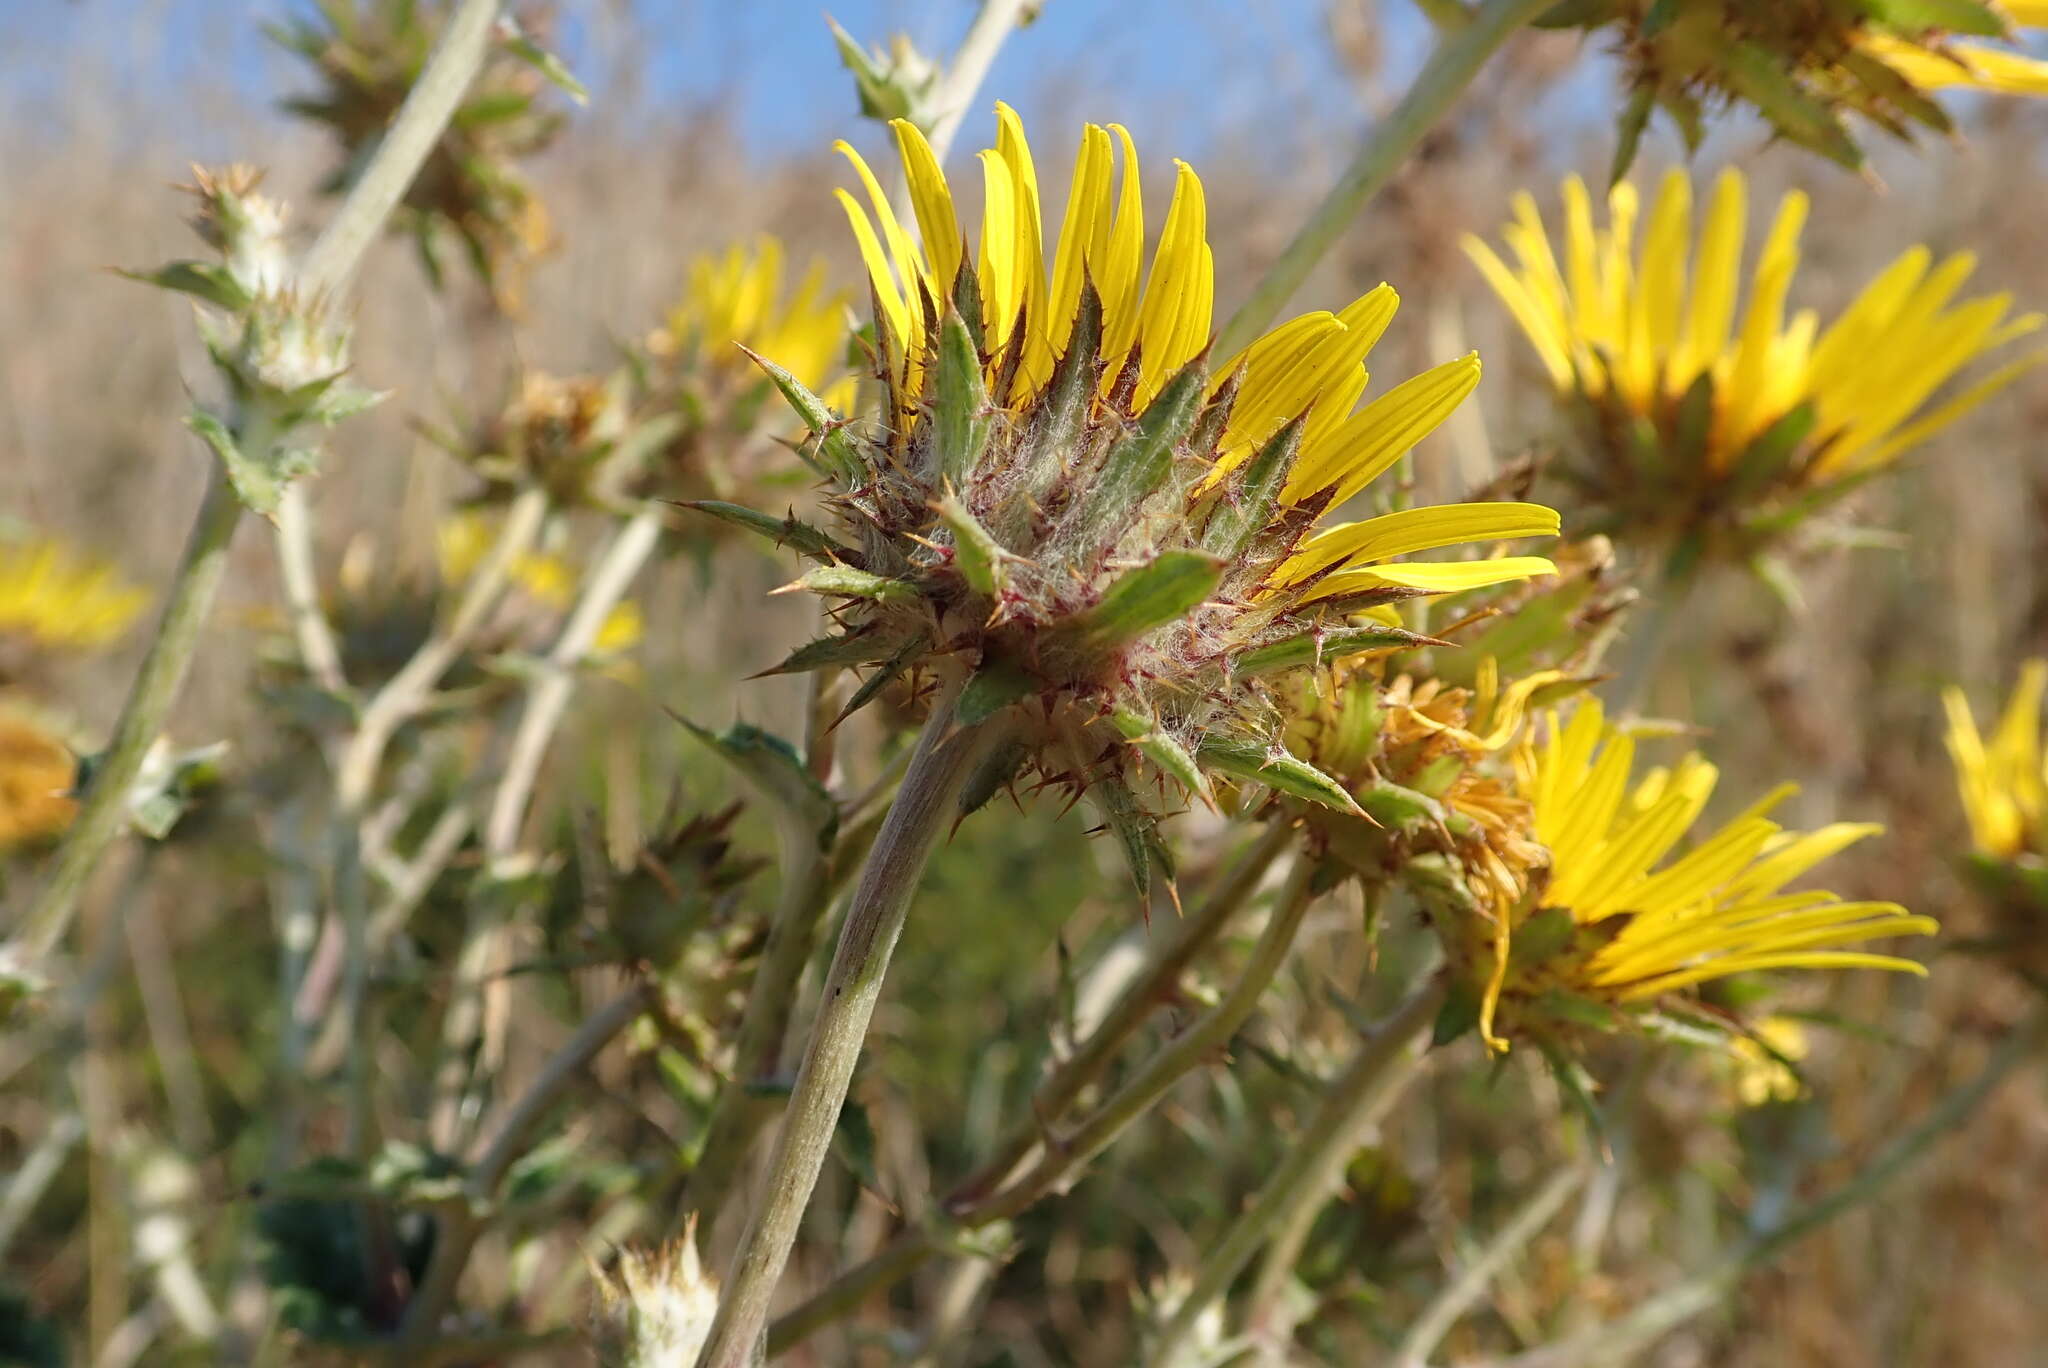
1072, 1075
1065, 1154
1451, 68
156, 687
1359, 1096
1458, 1296
484, 937
462, 1221
1673, 1307
324, 272
923, 810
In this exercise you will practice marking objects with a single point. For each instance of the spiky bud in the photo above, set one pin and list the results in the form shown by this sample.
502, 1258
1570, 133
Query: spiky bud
655, 1306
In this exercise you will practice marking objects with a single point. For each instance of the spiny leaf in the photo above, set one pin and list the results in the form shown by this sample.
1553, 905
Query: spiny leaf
258, 482
784, 531
960, 413
861, 647
1133, 828
1150, 596
203, 280
1758, 76
1334, 644
843, 581
1277, 770
773, 767
995, 686
1766, 456
976, 554
891, 670
835, 449
1252, 493
988, 778
1139, 462
521, 45
1162, 750
1057, 417
1628, 134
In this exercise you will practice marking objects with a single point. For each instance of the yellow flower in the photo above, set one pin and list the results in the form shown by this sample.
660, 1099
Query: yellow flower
57, 600
1309, 368
547, 580
2003, 782
734, 299
1761, 1073
1715, 423
36, 776
1974, 66
1623, 925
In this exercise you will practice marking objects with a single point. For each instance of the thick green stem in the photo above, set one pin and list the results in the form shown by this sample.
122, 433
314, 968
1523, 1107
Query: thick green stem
1459, 55
1357, 1098
156, 687
1137, 1002
923, 809
1064, 1154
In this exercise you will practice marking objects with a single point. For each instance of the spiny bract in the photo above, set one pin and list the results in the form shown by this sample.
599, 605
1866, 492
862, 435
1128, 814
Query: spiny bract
1118, 540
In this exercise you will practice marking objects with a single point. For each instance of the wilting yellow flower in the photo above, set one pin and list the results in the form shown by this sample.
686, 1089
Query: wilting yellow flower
735, 299
1975, 66
36, 777
1614, 924
57, 600
550, 581
1726, 428
2003, 782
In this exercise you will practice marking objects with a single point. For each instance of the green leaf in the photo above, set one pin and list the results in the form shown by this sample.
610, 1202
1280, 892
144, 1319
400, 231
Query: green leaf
843, 581
1759, 77
1395, 806
1628, 133
1057, 418
976, 554
835, 451
995, 686
784, 531
1918, 18
1314, 648
992, 774
773, 768
1165, 752
522, 46
1884, 83
259, 484
960, 411
203, 280
1150, 596
1770, 452
891, 670
1133, 827
1138, 463
1548, 933
1277, 770
864, 646
1458, 1016
1252, 494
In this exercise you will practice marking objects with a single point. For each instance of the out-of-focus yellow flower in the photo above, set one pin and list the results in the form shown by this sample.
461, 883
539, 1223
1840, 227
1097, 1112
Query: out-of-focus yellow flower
1760, 1071
37, 772
1997, 69
2003, 782
1614, 924
735, 298
57, 600
548, 580
1728, 426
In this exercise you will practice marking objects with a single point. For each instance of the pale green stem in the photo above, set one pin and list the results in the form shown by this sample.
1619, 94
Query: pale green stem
1073, 1074
1451, 68
1463, 1292
924, 809
325, 270
1357, 1098
995, 22
1065, 1153
319, 650
460, 1222
1651, 630
1672, 1308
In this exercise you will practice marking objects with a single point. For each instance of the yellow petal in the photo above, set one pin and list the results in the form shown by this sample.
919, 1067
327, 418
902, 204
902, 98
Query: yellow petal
1417, 529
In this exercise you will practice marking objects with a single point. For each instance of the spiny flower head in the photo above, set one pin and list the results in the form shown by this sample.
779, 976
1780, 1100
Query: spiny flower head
574, 436
1119, 540
1712, 432
1612, 926
368, 55
1804, 66
53, 599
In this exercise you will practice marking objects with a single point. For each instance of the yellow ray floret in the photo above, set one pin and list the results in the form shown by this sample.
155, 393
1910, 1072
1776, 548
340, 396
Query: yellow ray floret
1639, 326
60, 601
2003, 780
1717, 909
1971, 66
1309, 369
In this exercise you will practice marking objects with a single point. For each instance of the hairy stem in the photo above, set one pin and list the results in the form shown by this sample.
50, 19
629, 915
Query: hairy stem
923, 810
1460, 53
1357, 1098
